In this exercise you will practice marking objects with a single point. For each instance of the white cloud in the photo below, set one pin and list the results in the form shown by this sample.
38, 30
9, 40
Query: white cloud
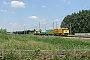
24, 24
44, 20
11, 23
18, 4
33, 17
3, 10
13, 12
43, 6
14, 24
5, 2
69, 2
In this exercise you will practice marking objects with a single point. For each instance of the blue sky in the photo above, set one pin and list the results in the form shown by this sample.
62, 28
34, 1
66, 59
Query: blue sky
17, 14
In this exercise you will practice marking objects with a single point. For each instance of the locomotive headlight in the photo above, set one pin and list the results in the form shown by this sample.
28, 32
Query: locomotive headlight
38, 32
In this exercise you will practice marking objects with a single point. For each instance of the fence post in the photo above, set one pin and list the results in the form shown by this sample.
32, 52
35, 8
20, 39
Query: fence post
3, 54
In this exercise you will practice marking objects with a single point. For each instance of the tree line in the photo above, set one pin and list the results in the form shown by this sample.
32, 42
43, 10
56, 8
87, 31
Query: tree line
78, 22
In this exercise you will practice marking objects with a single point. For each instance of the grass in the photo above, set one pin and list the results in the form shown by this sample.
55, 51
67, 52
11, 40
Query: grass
38, 55
29, 42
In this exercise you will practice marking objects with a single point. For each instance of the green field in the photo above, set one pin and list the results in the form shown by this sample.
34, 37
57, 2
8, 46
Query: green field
30, 42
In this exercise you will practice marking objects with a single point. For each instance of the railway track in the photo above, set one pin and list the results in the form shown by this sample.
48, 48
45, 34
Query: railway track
79, 36
69, 36
74, 36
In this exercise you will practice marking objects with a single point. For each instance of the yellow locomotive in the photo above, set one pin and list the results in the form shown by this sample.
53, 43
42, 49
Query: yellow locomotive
37, 32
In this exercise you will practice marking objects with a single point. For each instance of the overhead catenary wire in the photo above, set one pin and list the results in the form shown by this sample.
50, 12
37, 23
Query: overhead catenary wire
35, 24
45, 22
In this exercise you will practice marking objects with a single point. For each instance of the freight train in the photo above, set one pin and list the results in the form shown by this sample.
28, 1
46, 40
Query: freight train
55, 32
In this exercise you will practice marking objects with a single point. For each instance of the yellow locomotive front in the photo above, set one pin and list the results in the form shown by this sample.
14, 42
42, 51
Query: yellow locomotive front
37, 32
65, 32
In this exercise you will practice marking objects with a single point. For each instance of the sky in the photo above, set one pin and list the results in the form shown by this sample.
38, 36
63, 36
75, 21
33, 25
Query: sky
34, 14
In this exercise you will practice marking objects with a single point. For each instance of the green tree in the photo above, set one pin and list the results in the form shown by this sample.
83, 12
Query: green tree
3, 31
79, 21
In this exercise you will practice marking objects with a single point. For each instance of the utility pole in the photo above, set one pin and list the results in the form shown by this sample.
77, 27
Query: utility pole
24, 29
56, 24
17, 30
53, 25
70, 28
45, 28
13, 31
36, 27
39, 25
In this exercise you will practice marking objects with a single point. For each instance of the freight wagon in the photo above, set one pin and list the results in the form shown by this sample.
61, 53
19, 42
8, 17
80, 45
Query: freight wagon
49, 32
